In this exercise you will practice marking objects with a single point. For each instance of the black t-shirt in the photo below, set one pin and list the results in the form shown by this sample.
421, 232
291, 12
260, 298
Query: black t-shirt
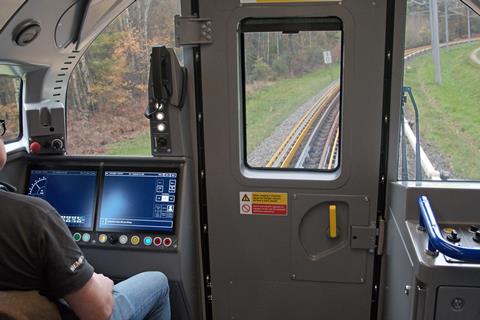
37, 251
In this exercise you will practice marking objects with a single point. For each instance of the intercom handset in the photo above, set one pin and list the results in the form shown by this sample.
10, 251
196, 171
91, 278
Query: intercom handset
166, 90
166, 84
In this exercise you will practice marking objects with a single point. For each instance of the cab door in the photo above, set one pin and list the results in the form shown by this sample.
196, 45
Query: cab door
292, 116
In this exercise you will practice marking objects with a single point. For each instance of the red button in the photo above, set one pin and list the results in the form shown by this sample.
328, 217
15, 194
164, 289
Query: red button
157, 241
35, 147
167, 242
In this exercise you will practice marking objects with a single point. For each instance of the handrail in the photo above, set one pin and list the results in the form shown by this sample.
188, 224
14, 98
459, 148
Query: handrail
436, 240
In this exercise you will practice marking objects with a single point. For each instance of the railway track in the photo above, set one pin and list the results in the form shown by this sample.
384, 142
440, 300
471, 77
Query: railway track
313, 142
296, 144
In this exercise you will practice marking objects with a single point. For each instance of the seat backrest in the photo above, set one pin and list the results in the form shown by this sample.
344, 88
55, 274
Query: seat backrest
26, 305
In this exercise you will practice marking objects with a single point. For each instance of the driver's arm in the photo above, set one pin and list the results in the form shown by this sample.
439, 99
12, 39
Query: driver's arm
94, 300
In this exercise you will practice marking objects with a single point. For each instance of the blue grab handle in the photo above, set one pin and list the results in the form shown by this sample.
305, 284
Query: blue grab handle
436, 240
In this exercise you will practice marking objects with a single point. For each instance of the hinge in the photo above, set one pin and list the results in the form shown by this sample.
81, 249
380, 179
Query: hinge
363, 237
368, 237
192, 31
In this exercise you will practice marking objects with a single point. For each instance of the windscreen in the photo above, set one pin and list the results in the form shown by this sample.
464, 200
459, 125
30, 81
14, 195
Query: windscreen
138, 201
70, 192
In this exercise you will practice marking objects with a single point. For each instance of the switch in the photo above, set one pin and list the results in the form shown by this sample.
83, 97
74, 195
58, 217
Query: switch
476, 237
453, 236
57, 144
474, 228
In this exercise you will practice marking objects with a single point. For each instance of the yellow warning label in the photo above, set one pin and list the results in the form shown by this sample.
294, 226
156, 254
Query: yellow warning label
269, 198
264, 203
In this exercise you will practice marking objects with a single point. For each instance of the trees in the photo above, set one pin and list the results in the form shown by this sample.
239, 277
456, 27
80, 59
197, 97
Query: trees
276, 55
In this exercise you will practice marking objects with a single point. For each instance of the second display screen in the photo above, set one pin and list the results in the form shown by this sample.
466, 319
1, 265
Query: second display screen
138, 201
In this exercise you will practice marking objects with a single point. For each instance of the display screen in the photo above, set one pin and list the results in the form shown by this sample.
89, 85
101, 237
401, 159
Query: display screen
71, 192
138, 201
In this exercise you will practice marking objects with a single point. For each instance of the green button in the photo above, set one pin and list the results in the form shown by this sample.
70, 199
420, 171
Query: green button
86, 237
77, 236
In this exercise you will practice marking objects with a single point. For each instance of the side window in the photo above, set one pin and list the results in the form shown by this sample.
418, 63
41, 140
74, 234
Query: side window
441, 86
9, 107
107, 92
292, 93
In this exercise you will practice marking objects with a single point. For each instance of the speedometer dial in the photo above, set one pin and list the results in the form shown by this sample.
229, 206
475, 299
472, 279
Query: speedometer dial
38, 188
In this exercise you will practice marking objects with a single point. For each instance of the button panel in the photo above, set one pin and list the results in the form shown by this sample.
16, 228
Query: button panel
467, 236
126, 240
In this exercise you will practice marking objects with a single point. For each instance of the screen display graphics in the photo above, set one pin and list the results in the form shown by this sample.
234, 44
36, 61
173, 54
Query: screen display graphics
71, 192
138, 201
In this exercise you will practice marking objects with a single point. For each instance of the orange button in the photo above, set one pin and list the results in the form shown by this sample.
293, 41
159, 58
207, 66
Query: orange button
135, 240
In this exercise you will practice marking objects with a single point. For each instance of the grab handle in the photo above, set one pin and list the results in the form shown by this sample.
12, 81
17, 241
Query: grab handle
436, 240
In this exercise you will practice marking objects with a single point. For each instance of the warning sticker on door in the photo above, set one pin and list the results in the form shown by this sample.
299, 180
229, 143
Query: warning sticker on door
264, 203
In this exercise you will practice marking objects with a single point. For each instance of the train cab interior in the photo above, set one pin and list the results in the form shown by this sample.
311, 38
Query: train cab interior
275, 159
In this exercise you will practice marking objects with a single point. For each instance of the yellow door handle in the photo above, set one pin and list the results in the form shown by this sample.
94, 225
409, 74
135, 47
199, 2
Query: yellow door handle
333, 221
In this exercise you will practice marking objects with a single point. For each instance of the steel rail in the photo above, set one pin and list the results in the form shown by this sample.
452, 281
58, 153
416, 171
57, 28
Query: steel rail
328, 150
334, 154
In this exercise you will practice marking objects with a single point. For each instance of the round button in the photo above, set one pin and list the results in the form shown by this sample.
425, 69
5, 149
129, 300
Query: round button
123, 239
157, 241
147, 241
86, 237
135, 240
167, 242
77, 236
160, 116
102, 238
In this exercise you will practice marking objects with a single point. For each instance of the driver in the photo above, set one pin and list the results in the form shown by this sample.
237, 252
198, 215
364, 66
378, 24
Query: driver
38, 253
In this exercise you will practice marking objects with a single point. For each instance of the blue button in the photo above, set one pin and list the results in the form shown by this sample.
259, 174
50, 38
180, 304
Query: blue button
147, 241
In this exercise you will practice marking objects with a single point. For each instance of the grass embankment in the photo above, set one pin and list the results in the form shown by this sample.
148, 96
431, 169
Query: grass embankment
450, 113
268, 107
138, 146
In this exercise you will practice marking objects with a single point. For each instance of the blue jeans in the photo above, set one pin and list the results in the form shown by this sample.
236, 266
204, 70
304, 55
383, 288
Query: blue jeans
143, 296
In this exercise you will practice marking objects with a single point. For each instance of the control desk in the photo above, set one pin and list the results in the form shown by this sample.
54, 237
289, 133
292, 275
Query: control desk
112, 207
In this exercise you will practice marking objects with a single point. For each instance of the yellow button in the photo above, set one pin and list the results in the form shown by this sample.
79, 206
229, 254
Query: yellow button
102, 238
135, 240
448, 230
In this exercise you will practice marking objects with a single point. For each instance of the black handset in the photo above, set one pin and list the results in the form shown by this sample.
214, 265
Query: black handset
166, 83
